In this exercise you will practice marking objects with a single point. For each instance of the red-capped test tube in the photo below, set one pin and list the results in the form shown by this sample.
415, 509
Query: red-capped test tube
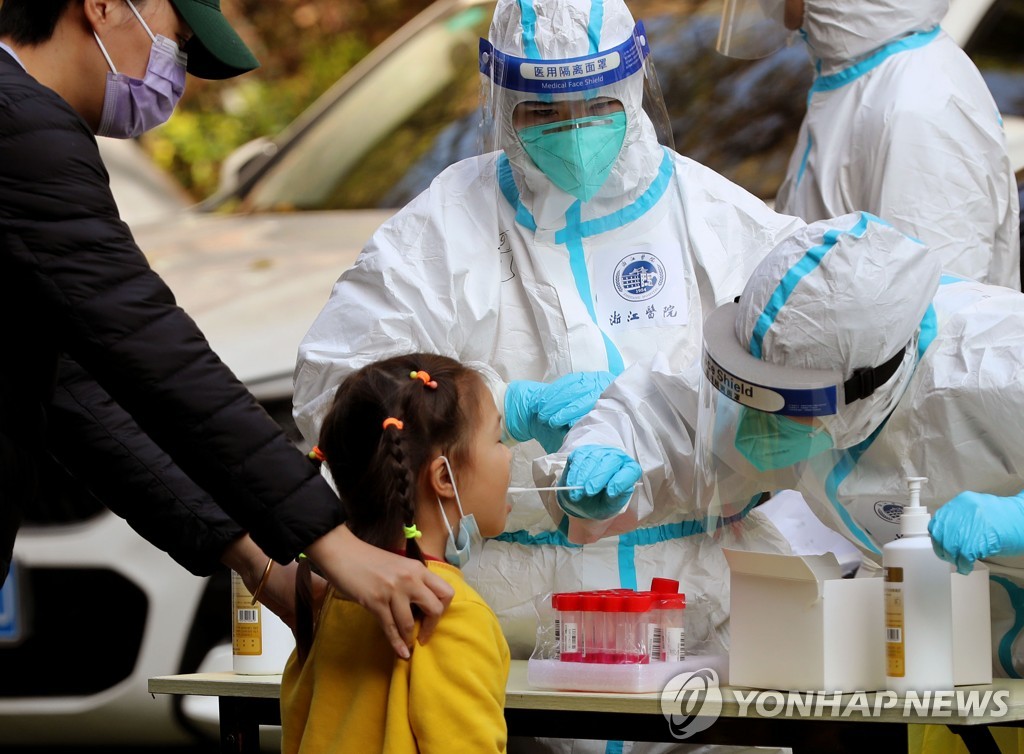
556, 606
571, 647
660, 589
592, 614
673, 627
614, 627
637, 615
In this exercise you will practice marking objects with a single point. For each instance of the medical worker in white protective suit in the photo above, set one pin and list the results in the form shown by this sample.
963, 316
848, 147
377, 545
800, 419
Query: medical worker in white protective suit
868, 366
899, 123
578, 247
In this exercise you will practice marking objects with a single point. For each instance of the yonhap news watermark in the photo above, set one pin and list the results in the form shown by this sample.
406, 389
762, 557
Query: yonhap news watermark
692, 702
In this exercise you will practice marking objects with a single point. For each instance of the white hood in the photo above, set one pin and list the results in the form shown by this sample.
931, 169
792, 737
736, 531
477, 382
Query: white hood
841, 31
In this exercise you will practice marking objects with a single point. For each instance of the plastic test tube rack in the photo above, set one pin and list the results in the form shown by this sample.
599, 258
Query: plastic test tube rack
618, 640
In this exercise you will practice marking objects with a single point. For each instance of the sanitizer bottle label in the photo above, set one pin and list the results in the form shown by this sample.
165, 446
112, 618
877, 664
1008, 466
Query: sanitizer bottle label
895, 653
247, 633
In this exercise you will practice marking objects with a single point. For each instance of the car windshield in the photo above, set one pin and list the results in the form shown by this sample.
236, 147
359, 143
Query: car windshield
382, 140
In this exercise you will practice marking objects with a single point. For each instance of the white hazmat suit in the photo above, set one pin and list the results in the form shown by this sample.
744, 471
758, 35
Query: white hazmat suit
497, 267
900, 123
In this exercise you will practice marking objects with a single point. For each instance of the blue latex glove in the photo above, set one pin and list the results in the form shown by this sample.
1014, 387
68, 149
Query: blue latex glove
974, 525
546, 411
607, 476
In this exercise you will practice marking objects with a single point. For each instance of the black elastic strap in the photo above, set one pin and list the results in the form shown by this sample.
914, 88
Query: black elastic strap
866, 379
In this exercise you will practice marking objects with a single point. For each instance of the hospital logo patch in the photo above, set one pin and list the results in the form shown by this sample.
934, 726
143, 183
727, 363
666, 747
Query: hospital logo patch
639, 276
888, 511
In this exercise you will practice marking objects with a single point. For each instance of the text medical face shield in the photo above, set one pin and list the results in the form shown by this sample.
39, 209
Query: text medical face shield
752, 29
573, 120
757, 422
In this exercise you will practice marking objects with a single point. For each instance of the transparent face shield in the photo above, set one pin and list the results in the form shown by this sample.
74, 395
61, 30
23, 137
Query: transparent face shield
757, 423
752, 29
570, 121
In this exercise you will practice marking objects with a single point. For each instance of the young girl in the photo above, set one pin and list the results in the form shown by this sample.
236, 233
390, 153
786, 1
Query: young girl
414, 446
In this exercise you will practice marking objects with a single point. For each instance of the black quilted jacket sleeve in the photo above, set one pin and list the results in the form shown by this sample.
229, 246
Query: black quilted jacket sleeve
102, 447
85, 288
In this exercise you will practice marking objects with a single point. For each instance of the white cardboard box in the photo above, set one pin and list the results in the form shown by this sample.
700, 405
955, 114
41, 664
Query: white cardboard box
797, 625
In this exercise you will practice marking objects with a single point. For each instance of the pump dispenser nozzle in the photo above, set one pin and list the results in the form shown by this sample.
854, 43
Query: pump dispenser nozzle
914, 520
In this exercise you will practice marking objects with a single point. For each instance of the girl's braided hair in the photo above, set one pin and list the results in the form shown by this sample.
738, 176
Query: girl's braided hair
377, 470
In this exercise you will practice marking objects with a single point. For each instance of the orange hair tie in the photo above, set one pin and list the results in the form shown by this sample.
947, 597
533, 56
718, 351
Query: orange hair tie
425, 377
393, 422
316, 454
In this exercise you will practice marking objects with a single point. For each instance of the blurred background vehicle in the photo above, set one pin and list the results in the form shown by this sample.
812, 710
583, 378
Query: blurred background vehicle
144, 193
100, 610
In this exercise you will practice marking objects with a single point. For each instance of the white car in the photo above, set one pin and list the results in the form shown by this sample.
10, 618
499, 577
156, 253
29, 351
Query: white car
101, 610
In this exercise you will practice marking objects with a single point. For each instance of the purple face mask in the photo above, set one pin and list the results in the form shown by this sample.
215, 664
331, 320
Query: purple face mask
132, 106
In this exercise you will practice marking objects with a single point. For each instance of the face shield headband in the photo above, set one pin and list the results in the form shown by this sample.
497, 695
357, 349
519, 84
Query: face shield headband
579, 74
777, 389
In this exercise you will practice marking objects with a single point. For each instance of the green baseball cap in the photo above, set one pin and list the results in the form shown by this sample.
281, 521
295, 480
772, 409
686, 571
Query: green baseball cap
215, 50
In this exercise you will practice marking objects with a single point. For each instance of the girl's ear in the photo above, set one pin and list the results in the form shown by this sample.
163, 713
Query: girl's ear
439, 480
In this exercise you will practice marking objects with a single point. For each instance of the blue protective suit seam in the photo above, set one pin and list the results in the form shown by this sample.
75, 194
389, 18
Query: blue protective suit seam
594, 27
928, 331
854, 72
638, 208
570, 236
836, 478
651, 535
803, 160
511, 193
804, 266
627, 564
529, 20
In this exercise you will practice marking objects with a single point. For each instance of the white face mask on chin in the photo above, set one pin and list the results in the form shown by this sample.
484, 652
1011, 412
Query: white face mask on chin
457, 547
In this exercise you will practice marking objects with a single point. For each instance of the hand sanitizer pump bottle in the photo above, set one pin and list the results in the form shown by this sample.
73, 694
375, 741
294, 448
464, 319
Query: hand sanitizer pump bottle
918, 605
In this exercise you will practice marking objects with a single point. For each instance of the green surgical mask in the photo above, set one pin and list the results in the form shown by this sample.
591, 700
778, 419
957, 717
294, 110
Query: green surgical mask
577, 155
771, 441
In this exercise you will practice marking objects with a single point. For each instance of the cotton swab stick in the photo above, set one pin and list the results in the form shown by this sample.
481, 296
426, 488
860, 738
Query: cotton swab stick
520, 490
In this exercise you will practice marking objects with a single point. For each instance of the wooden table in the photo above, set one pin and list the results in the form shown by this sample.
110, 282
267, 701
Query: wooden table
246, 702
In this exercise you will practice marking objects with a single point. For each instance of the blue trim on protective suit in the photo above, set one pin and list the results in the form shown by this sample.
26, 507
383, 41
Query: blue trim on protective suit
613, 747
594, 27
838, 475
929, 329
854, 72
628, 541
803, 161
807, 264
637, 209
529, 20
572, 235
523, 537
927, 332
1016, 597
511, 193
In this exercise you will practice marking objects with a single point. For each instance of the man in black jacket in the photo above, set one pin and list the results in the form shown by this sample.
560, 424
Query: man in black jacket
140, 385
